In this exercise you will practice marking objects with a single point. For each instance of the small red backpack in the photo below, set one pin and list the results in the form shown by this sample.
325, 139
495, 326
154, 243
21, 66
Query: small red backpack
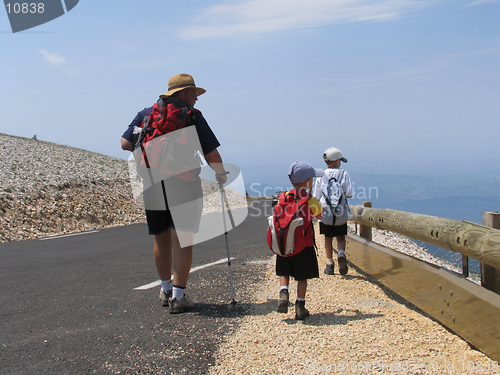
288, 225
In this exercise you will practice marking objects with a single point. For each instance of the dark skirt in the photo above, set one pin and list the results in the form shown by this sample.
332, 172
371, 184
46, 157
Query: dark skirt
302, 266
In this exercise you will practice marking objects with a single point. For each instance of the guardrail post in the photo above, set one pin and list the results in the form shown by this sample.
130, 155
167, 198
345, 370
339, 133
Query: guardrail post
465, 266
490, 276
365, 231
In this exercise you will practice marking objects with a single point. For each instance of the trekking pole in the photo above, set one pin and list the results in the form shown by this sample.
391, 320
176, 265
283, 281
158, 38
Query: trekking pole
222, 196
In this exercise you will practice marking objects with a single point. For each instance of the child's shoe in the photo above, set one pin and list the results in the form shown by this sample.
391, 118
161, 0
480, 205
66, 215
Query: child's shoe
300, 310
330, 269
342, 265
283, 302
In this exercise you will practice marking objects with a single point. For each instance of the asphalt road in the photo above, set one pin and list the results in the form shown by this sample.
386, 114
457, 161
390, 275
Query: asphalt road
69, 305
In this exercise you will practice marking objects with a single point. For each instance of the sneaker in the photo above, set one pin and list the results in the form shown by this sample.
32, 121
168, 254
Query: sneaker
164, 297
178, 306
330, 268
342, 265
283, 303
300, 310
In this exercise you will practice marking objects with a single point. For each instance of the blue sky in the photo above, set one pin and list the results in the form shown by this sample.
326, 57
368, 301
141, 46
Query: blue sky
404, 80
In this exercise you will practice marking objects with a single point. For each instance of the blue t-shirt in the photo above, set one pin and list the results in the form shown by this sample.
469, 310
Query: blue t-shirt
208, 140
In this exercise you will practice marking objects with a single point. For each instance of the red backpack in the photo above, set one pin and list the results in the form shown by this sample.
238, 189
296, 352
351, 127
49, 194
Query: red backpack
168, 156
288, 225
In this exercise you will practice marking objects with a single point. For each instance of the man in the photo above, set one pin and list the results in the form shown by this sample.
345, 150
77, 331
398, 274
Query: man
167, 250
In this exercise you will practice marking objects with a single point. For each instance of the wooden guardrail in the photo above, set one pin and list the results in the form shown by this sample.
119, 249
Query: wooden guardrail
470, 310
470, 239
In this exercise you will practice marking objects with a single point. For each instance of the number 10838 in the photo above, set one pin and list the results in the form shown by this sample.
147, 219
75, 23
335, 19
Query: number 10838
25, 7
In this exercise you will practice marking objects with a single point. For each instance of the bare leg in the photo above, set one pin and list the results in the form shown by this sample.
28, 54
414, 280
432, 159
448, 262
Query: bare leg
284, 280
301, 288
328, 247
162, 252
341, 243
182, 260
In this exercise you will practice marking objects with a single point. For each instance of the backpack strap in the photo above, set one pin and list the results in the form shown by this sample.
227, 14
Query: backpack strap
327, 181
314, 238
147, 129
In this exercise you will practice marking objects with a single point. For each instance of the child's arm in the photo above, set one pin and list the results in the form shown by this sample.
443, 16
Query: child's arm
348, 186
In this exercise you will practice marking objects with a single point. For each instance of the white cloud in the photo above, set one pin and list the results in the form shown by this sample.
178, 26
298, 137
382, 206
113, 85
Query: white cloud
421, 71
141, 64
262, 16
479, 2
53, 58
407, 72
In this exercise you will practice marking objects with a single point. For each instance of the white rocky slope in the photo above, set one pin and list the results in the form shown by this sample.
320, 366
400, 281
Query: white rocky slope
48, 189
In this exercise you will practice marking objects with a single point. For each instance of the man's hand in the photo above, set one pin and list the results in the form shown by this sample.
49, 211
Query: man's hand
221, 177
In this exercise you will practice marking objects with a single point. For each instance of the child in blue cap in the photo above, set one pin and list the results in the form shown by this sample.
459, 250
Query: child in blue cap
303, 265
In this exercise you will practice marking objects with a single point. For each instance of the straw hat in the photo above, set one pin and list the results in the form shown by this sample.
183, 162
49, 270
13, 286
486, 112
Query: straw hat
180, 82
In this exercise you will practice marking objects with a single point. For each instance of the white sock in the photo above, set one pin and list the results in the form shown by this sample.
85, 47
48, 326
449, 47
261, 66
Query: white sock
178, 292
301, 299
341, 253
284, 287
166, 285
329, 261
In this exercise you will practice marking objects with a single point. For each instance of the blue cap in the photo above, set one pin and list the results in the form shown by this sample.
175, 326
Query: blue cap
301, 171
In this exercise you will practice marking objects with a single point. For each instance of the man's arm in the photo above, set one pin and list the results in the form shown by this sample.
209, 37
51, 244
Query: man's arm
127, 145
215, 161
129, 133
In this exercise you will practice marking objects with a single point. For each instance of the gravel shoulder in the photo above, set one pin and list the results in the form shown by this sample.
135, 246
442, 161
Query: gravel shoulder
356, 326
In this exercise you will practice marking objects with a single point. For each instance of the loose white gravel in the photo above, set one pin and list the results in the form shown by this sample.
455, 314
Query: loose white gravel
356, 326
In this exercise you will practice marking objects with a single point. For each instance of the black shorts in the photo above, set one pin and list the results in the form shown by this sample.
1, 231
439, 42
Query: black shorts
332, 230
159, 221
183, 210
302, 266
188, 220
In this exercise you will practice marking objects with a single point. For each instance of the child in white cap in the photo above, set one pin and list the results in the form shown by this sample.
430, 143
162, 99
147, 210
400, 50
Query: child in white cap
333, 159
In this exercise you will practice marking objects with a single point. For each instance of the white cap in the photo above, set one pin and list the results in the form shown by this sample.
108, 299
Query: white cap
333, 154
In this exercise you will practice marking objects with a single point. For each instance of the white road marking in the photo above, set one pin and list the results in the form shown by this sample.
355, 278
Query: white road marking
67, 235
158, 283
